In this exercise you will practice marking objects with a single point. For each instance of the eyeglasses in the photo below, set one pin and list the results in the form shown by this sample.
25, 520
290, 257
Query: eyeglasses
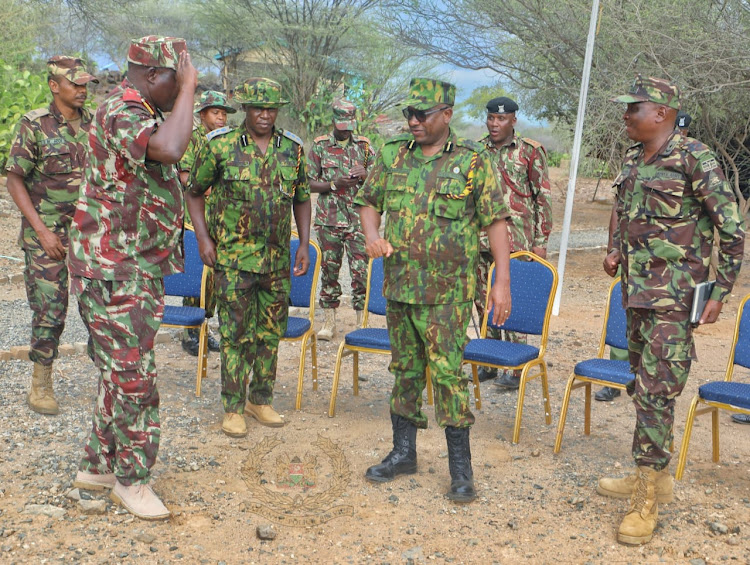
421, 115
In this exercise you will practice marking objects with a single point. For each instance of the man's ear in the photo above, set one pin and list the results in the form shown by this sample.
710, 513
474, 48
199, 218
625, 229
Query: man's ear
54, 86
662, 113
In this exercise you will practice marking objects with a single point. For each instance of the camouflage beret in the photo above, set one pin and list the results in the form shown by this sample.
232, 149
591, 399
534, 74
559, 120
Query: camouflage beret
154, 51
501, 105
649, 89
213, 99
260, 92
344, 114
71, 68
426, 93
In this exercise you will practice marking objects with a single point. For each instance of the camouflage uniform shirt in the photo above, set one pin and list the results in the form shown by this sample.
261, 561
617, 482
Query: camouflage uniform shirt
435, 207
523, 165
327, 161
667, 210
197, 139
50, 156
128, 221
250, 218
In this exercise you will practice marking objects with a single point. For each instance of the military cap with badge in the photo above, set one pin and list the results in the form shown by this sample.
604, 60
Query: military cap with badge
502, 105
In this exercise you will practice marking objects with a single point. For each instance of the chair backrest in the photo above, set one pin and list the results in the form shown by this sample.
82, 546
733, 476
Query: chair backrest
616, 330
375, 301
189, 282
532, 289
302, 294
741, 345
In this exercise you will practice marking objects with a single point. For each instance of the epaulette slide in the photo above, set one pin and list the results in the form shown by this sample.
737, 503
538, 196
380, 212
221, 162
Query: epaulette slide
289, 135
363, 139
532, 142
320, 138
219, 131
36, 114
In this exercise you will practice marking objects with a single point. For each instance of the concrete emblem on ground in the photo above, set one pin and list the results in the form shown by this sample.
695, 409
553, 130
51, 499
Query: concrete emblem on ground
296, 489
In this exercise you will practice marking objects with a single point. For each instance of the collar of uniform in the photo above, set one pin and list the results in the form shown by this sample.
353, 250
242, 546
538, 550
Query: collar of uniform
55, 111
202, 130
515, 140
152, 109
671, 143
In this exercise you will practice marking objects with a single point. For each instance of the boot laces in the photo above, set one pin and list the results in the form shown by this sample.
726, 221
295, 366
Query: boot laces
640, 493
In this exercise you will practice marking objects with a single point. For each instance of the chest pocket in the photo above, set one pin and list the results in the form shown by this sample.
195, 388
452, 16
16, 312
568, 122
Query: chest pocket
451, 198
396, 191
236, 179
57, 160
663, 198
286, 182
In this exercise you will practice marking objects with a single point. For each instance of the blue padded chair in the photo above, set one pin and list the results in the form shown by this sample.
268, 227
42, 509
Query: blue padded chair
600, 371
533, 282
301, 329
726, 394
192, 284
366, 340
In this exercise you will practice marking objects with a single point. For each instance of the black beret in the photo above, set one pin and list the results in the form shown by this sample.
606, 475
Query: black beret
683, 120
502, 105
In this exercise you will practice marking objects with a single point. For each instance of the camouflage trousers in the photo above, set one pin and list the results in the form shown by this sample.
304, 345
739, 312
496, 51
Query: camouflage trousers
122, 318
334, 241
433, 337
47, 292
661, 349
210, 296
480, 299
253, 310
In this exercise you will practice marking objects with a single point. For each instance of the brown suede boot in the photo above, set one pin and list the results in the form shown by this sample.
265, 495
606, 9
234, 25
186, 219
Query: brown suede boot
637, 527
623, 487
328, 331
41, 397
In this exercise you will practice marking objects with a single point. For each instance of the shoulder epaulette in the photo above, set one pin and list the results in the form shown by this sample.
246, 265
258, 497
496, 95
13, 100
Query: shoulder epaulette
363, 139
320, 138
289, 135
533, 143
470, 144
398, 138
132, 95
219, 131
36, 114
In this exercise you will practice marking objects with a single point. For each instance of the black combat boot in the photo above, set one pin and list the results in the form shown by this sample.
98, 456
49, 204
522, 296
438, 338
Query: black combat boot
459, 462
191, 342
403, 459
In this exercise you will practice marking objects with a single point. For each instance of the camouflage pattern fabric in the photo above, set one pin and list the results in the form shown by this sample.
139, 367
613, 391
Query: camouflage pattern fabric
128, 221
253, 312
661, 349
197, 140
213, 99
650, 89
250, 219
122, 318
426, 93
155, 51
344, 114
49, 154
667, 210
334, 242
260, 93
434, 209
431, 337
72, 68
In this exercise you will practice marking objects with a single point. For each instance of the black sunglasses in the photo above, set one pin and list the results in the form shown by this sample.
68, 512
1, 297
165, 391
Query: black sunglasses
421, 115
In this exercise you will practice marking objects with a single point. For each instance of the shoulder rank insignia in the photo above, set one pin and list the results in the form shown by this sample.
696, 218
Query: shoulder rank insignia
290, 135
131, 95
320, 138
532, 142
36, 114
219, 131
363, 139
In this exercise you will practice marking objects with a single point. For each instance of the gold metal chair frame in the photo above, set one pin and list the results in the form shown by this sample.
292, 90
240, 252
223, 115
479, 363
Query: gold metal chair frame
309, 339
586, 383
346, 350
710, 406
526, 368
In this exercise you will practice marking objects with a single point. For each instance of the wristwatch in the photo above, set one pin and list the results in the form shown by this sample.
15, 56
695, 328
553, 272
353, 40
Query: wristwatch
333, 186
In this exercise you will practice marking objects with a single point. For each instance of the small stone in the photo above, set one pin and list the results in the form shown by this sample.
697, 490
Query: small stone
44, 510
536, 453
265, 531
443, 454
145, 537
73, 494
92, 506
413, 554
718, 528
733, 541
393, 498
697, 561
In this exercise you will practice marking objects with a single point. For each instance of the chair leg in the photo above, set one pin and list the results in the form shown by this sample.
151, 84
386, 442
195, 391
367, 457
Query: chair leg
563, 413
202, 357
715, 434
587, 409
301, 375
686, 438
545, 393
428, 387
355, 372
335, 385
314, 359
477, 392
519, 405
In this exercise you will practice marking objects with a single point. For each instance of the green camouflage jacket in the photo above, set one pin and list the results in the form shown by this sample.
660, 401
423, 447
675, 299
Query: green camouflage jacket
128, 221
50, 155
250, 218
434, 209
197, 139
667, 211
329, 160
523, 165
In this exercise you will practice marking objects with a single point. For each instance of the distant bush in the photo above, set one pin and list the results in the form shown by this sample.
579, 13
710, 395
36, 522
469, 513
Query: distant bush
555, 157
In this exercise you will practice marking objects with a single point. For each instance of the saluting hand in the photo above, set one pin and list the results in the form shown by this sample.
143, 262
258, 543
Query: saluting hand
187, 74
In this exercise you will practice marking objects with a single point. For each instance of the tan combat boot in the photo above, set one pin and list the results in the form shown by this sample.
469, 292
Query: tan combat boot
359, 319
623, 487
41, 397
637, 527
329, 326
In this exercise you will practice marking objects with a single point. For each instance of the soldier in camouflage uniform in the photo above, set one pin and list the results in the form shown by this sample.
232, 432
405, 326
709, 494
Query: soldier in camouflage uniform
258, 176
437, 191
338, 165
670, 197
44, 171
212, 110
125, 237
522, 162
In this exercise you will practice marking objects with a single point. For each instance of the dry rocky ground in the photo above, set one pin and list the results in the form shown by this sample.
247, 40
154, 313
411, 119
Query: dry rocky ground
225, 493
